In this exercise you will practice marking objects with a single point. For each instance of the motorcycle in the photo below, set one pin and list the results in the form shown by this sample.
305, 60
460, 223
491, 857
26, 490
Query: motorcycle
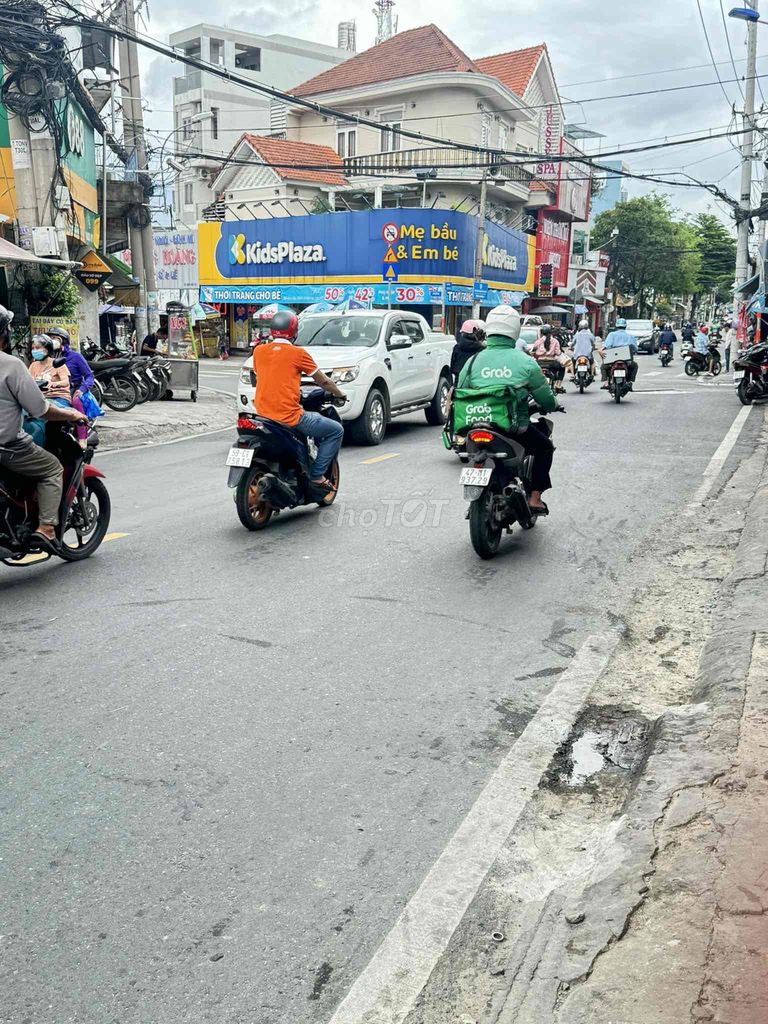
696, 362
583, 374
750, 374
497, 484
269, 465
686, 345
617, 362
84, 511
665, 355
114, 384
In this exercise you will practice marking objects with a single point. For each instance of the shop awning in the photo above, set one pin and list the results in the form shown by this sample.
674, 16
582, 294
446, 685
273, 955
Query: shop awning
748, 288
549, 310
10, 253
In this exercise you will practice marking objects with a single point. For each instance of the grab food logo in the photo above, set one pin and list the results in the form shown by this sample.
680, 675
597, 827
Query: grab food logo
479, 411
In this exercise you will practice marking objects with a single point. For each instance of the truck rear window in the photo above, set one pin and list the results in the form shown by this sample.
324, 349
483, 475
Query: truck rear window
339, 331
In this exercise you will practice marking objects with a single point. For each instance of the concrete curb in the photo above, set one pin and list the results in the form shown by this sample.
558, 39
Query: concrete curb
165, 421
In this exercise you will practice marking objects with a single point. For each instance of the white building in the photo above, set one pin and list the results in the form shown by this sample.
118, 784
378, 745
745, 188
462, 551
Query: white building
210, 114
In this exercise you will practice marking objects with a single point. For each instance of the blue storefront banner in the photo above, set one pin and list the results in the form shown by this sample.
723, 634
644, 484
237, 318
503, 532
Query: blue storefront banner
376, 295
424, 247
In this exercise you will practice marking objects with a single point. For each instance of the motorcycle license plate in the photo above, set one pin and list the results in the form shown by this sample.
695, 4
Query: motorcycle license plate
151, 376
738, 375
583, 371
620, 373
472, 477
240, 457
688, 357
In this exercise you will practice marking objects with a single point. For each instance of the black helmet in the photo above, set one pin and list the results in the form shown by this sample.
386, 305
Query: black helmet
58, 332
545, 329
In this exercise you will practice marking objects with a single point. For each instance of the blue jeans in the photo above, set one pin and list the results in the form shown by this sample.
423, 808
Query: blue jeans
328, 434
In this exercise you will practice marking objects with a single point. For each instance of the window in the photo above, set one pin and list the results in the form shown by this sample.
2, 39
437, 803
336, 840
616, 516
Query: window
214, 122
186, 126
346, 142
502, 136
217, 51
390, 140
188, 194
413, 330
248, 58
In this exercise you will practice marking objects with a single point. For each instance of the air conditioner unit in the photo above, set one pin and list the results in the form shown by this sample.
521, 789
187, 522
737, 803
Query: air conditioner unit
45, 242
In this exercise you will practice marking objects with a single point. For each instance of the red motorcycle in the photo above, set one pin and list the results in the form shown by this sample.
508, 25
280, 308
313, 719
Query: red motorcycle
84, 511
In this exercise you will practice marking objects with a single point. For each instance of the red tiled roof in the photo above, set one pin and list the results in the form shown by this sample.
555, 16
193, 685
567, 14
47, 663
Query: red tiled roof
543, 186
280, 154
514, 69
415, 52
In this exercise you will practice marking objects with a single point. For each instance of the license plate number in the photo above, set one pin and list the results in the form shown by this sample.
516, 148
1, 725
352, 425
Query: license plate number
472, 477
738, 375
583, 369
240, 456
687, 358
620, 373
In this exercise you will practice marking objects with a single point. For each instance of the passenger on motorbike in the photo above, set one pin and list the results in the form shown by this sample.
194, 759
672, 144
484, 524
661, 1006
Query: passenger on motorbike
667, 339
279, 367
620, 338
500, 362
471, 340
18, 453
80, 375
583, 345
547, 352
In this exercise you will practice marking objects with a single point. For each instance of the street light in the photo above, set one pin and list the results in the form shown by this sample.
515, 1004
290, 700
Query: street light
746, 14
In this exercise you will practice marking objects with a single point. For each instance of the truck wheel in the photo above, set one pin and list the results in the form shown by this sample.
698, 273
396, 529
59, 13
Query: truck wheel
437, 410
371, 426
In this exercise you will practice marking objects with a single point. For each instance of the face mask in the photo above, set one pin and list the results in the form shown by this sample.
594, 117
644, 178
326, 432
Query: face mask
39, 353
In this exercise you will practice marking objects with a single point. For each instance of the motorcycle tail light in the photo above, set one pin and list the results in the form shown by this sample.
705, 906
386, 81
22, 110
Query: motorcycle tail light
480, 436
246, 423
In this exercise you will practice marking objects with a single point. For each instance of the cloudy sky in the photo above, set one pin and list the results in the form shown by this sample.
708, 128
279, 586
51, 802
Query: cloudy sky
594, 48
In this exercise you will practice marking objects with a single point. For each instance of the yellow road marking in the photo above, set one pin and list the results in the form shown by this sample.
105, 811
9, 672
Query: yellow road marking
380, 458
38, 556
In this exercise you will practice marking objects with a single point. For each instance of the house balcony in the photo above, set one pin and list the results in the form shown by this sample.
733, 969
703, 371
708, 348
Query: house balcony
450, 163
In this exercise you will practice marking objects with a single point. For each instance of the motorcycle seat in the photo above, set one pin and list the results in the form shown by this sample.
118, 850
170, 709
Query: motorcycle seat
109, 364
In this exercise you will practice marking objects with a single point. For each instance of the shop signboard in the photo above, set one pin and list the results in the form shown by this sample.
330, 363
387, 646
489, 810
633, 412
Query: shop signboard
43, 324
573, 188
240, 258
550, 134
175, 259
7, 187
78, 157
553, 246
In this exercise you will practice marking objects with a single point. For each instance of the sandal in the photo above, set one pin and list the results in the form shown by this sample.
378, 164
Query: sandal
43, 543
541, 510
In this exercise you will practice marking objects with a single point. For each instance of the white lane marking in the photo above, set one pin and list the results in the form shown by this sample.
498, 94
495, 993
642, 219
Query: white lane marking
388, 987
717, 461
664, 391
159, 444
654, 373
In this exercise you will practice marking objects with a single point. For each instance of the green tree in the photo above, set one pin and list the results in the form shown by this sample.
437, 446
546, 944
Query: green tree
52, 293
651, 251
718, 256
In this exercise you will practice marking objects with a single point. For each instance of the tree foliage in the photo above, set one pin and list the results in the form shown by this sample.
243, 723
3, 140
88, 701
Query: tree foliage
717, 247
653, 253
52, 293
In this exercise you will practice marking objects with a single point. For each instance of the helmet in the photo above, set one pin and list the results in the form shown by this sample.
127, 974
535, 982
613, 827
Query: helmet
6, 319
545, 329
475, 328
583, 325
621, 322
59, 332
285, 324
503, 320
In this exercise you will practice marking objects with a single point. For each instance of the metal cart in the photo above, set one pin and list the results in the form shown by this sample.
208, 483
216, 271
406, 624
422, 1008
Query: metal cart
185, 375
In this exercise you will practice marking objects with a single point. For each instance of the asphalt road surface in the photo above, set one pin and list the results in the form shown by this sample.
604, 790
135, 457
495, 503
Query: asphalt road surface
230, 758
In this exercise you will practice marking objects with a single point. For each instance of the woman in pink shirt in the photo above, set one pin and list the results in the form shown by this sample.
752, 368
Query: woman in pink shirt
547, 352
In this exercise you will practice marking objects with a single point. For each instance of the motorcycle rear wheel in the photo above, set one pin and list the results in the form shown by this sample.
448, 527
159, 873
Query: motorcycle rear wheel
741, 391
121, 394
483, 533
88, 535
617, 393
252, 513
690, 369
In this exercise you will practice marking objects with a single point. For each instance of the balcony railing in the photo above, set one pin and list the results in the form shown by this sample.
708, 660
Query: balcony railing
191, 81
445, 158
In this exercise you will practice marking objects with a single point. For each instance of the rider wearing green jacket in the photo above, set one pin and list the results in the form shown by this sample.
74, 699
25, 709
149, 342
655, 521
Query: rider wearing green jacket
503, 375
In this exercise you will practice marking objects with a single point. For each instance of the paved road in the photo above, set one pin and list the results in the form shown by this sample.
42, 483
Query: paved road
231, 758
221, 376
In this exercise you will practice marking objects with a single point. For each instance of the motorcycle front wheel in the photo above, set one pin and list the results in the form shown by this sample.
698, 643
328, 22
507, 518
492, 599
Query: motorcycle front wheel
334, 475
252, 513
484, 534
87, 522
121, 394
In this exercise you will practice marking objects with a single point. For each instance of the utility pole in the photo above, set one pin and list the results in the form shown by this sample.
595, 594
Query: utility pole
480, 243
747, 155
142, 256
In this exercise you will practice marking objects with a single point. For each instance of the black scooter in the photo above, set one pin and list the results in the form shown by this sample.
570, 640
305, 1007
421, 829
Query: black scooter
269, 465
696, 362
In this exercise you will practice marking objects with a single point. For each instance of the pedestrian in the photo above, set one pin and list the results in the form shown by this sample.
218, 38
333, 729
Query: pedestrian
730, 346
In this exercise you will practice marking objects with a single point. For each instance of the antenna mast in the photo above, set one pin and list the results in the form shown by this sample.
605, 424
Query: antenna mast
386, 24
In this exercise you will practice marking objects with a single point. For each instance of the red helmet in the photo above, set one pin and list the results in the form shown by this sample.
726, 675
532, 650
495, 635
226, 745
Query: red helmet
285, 324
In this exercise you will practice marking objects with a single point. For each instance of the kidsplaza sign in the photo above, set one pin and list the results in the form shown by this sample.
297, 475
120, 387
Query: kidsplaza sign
427, 246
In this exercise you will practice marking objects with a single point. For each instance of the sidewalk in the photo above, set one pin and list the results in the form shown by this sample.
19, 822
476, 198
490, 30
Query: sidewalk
164, 421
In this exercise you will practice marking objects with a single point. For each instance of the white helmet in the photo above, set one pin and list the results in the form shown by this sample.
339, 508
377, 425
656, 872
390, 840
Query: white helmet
503, 320
583, 325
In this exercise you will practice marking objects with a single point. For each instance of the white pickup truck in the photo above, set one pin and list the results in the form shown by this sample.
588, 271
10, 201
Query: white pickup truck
387, 363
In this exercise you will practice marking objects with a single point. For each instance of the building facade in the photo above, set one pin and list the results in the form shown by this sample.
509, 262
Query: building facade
210, 114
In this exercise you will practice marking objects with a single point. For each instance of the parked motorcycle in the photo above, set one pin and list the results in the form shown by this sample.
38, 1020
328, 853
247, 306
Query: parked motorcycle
497, 485
84, 511
696, 362
269, 465
750, 374
583, 374
117, 386
665, 355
